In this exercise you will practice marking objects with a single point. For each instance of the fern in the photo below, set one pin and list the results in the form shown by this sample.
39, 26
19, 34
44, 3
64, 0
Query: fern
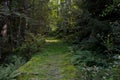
9, 71
88, 58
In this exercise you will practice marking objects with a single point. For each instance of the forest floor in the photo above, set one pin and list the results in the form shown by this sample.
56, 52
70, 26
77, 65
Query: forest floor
52, 63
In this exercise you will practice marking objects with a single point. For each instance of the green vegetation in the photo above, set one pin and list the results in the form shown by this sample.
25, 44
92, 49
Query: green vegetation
90, 28
9, 71
53, 63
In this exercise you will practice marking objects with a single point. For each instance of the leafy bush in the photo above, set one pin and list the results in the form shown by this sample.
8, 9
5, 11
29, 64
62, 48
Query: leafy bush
116, 35
94, 67
98, 73
32, 45
9, 71
89, 59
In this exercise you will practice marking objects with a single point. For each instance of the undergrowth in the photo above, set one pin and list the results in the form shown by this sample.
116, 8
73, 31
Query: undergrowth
33, 44
21, 54
9, 71
96, 67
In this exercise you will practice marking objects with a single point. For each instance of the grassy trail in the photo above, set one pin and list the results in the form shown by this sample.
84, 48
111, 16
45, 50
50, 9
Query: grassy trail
53, 63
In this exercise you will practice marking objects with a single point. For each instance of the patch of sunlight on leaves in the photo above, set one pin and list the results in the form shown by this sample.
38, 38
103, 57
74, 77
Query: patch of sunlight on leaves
52, 41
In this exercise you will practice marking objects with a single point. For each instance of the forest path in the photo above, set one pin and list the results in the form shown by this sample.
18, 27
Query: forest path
53, 63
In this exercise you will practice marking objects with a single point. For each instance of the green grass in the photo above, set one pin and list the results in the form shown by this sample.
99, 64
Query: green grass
53, 63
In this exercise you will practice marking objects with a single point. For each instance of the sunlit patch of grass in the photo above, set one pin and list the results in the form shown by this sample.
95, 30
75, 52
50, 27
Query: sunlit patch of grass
52, 41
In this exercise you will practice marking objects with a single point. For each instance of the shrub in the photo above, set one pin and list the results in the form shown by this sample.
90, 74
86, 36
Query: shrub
9, 71
31, 46
89, 59
116, 35
98, 73
93, 67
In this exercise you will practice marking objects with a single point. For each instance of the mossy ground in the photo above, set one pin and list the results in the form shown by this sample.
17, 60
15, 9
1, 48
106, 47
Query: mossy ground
53, 63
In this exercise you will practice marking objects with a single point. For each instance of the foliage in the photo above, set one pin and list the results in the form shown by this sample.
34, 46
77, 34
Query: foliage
89, 59
92, 67
112, 9
9, 71
12, 27
91, 25
31, 46
99, 73
116, 35
87, 28
39, 13
19, 18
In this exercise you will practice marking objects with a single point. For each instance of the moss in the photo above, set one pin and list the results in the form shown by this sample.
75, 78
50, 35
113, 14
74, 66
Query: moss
52, 64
